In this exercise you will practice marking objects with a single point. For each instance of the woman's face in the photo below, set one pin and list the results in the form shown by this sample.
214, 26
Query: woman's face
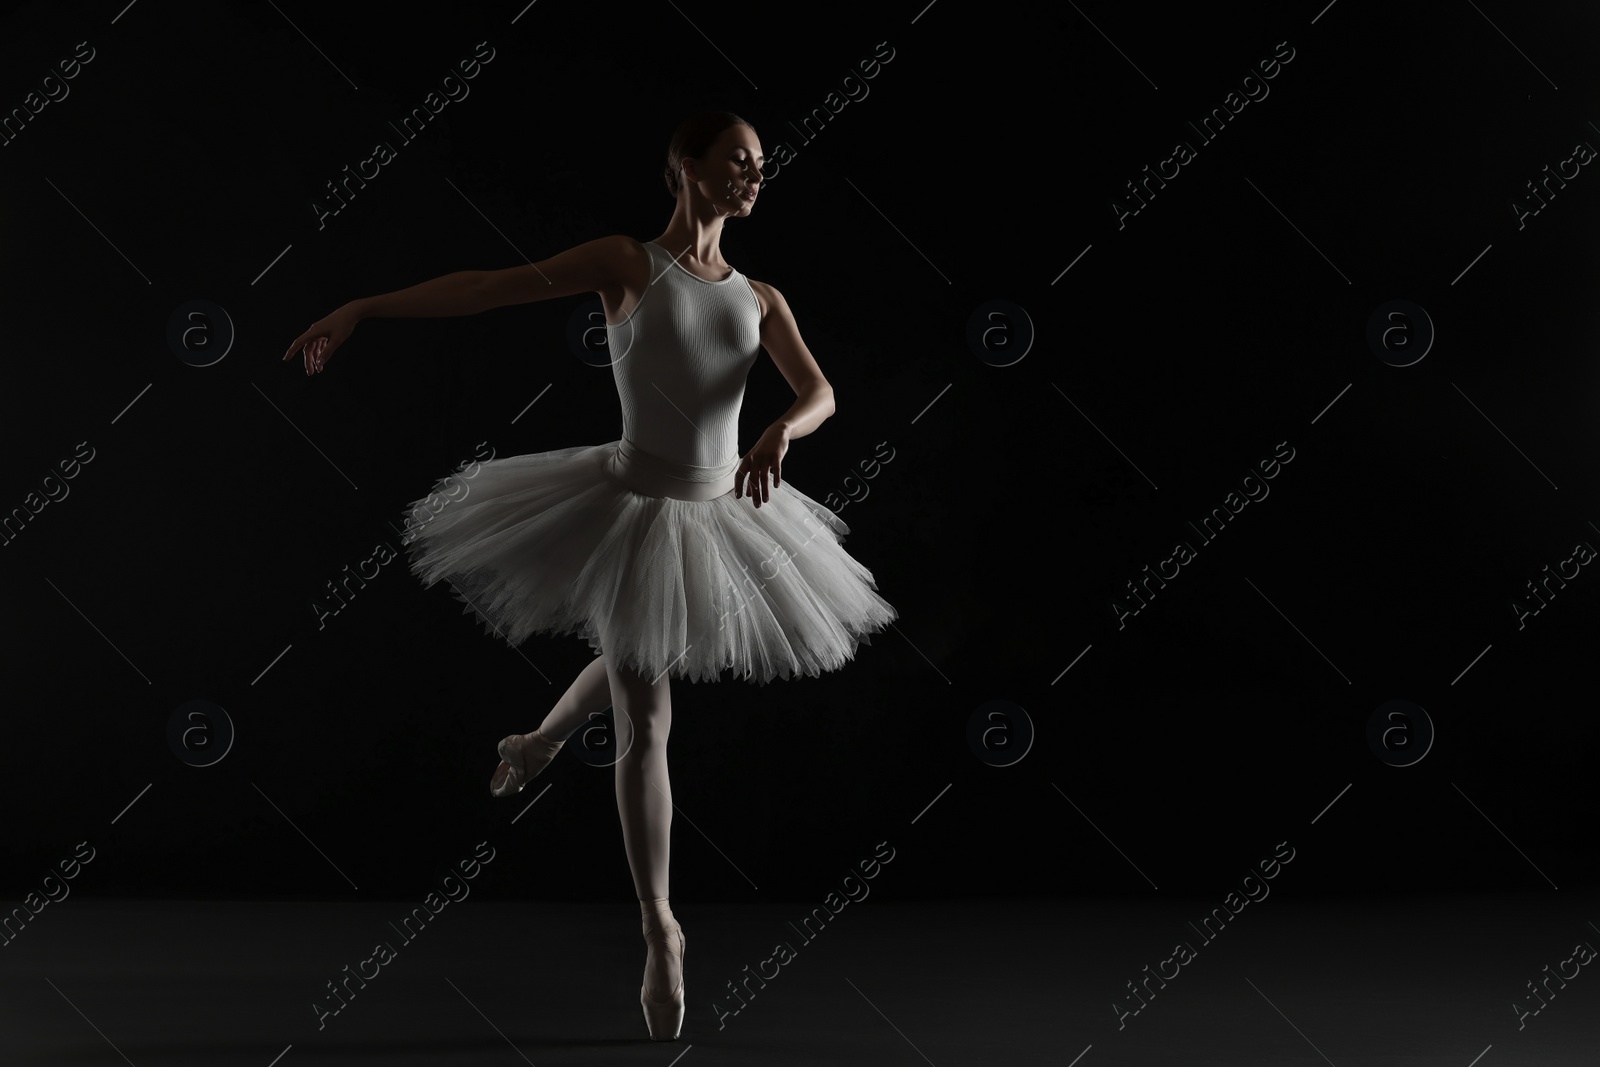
730, 172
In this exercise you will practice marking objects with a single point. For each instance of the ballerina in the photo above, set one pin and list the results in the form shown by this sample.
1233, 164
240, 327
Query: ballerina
673, 553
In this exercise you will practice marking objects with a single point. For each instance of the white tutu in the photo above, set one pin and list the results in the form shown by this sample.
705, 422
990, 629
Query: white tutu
564, 542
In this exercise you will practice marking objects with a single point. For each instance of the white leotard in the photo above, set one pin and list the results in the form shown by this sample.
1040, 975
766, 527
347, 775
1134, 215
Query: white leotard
681, 360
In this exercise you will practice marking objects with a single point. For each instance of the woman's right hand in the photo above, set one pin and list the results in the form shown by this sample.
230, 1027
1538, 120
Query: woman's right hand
324, 336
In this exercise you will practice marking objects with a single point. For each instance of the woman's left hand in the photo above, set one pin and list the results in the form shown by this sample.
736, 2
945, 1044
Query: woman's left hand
767, 455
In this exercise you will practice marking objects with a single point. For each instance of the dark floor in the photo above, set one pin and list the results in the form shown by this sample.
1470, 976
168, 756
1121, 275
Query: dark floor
1288, 982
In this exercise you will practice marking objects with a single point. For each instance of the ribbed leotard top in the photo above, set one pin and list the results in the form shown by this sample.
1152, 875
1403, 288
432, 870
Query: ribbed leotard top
681, 360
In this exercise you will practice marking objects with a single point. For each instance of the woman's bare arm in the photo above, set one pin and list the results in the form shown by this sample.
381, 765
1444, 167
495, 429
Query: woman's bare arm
594, 266
781, 338
586, 268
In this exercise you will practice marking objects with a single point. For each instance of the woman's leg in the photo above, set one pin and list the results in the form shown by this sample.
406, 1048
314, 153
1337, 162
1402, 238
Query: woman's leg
588, 695
643, 712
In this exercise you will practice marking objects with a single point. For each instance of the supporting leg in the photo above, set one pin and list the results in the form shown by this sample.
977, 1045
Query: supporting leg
643, 712
644, 794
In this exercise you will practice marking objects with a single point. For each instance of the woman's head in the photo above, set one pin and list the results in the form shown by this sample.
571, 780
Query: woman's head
718, 151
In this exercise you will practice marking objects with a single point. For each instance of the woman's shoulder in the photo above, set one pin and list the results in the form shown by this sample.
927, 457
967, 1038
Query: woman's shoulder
626, 247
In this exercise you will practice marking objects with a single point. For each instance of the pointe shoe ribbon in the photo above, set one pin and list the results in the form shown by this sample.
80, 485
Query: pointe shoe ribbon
663, 1018
522, 758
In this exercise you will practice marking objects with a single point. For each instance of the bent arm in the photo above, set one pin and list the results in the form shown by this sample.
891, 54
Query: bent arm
780, 336
813, 404
585, 268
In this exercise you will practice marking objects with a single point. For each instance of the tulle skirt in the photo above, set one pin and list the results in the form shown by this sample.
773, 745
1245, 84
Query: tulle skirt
634, 554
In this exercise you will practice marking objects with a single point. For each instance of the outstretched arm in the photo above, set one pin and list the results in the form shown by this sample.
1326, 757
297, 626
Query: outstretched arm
589, 267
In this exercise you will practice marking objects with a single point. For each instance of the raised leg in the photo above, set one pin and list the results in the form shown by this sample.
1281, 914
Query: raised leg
588, 694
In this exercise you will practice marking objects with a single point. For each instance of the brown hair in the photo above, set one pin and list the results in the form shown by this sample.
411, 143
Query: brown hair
693, 139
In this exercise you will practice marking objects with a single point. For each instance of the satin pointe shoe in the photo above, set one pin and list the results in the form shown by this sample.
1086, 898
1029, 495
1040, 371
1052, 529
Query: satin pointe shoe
522, 757
663, 1018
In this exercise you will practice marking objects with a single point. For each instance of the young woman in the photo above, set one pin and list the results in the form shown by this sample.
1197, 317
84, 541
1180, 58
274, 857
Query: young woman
669, 551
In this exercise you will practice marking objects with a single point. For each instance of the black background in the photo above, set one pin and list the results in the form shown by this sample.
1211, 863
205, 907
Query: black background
1175, 354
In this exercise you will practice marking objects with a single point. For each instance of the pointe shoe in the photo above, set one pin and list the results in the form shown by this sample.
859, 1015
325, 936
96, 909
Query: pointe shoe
664, 1018
521, 759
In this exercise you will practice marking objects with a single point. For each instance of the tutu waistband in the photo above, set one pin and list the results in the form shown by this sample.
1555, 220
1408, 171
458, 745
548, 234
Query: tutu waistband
653, 475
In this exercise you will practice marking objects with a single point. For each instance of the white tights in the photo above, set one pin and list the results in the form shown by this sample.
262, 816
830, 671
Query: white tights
642, 712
